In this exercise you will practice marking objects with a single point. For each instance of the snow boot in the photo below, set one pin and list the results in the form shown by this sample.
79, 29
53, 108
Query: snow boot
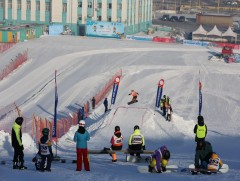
22, 167
15, 165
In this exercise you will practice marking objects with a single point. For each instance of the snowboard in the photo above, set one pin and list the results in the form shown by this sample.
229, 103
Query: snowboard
135, 159
170, 169
194, 171
131, 102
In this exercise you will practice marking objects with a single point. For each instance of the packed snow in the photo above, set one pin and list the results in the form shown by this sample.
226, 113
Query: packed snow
84, 64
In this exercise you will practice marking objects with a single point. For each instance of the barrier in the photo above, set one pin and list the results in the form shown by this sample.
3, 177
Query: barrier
5, 46
163, 40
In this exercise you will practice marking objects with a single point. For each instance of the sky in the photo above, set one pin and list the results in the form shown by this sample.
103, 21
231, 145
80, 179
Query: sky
83, 67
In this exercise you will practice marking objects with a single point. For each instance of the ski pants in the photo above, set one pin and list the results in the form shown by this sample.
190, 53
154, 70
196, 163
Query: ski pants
137, 147
49, 161
82, 156
18, 155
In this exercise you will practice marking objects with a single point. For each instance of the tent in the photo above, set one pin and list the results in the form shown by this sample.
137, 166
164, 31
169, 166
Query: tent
214, 32
229, 33
200, 31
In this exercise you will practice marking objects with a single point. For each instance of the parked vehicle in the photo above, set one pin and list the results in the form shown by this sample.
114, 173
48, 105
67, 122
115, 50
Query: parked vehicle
165, 17
174, 18
182, 19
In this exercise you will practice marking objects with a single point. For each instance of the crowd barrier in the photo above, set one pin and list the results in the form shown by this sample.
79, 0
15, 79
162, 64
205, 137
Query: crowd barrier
163, 40
19, 60
5, 46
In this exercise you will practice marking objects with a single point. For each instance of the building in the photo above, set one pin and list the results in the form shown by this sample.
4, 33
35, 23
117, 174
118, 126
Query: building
214, 19
136, 15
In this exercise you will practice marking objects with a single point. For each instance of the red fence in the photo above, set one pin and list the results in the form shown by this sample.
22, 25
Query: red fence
5, 46
164, 40
19, 60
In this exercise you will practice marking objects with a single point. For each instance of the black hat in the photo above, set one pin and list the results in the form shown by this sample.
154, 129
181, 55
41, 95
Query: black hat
136, 127
19, 120
166, 154
117, 128
200, 120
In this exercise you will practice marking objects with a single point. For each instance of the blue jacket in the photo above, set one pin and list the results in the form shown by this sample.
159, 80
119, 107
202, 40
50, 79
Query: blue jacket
105, 102
158, 156
81, 137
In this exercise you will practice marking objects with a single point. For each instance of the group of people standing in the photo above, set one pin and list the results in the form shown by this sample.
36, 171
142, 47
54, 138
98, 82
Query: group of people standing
205, 157
165, 105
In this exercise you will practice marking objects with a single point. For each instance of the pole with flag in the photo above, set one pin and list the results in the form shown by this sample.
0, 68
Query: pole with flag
54, 130
200, 97
159, 93
115, 89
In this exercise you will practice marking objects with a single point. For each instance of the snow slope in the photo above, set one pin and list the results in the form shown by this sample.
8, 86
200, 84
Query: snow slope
85, 64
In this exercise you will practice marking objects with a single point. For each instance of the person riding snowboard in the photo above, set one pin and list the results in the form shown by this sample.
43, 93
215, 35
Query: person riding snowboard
159, 160
134, 95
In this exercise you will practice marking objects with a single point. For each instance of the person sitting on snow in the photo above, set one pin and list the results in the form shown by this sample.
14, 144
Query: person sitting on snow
215, 163
134, 95
159, 160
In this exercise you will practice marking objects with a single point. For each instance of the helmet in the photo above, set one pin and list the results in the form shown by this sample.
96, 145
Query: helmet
214, 156
45, 131
164, 162
19, 120
82, 123
200, 120
136, 127
117, 128
166, 154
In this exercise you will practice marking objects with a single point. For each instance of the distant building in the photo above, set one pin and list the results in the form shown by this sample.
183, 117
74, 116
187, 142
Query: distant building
136, 15
214, 19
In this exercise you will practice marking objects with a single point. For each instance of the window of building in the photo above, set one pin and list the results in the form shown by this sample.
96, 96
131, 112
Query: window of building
89, 4
10, 4
28, 5
119, 6
64, 7
47, 6
79, 17
80, 4
1, 3
109, 18
99, 18
99, 5
19, 4
38, 5
109, 5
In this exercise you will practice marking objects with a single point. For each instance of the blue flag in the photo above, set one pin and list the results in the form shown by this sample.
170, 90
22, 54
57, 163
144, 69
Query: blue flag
54, 131
159, 93
200, 98
115, 90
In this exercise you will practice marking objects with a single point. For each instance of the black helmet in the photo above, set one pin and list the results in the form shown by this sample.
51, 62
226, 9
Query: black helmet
166, 154
45, 131
19, 120
136, 127
117, 128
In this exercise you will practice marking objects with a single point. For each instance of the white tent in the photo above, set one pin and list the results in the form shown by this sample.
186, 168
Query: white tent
200, 31
230, 34
214, 32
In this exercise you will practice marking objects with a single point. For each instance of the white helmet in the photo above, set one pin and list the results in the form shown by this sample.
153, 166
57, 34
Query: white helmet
82, 123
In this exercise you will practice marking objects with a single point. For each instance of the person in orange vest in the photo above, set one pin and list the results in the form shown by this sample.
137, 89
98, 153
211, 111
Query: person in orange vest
200, 130
117, 142
134, 95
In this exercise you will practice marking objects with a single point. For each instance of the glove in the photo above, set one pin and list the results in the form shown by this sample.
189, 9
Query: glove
143, 147
21, 147
164, 169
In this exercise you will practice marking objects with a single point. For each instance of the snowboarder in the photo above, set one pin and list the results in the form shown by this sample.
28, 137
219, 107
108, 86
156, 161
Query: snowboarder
45, 150
18, 159
93, 102
81, 137
136, 141
215, 163
105, 103
134, 95
169, 113
161, 104
117, 142
159, 160
203, 154
200, 129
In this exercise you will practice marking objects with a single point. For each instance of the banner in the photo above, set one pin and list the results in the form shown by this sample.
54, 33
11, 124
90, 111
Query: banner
200, 98
159, 92
115, 89
54, 131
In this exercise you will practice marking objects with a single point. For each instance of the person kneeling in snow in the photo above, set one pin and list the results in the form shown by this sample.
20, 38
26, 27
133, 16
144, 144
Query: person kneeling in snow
159, 160
215, 163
